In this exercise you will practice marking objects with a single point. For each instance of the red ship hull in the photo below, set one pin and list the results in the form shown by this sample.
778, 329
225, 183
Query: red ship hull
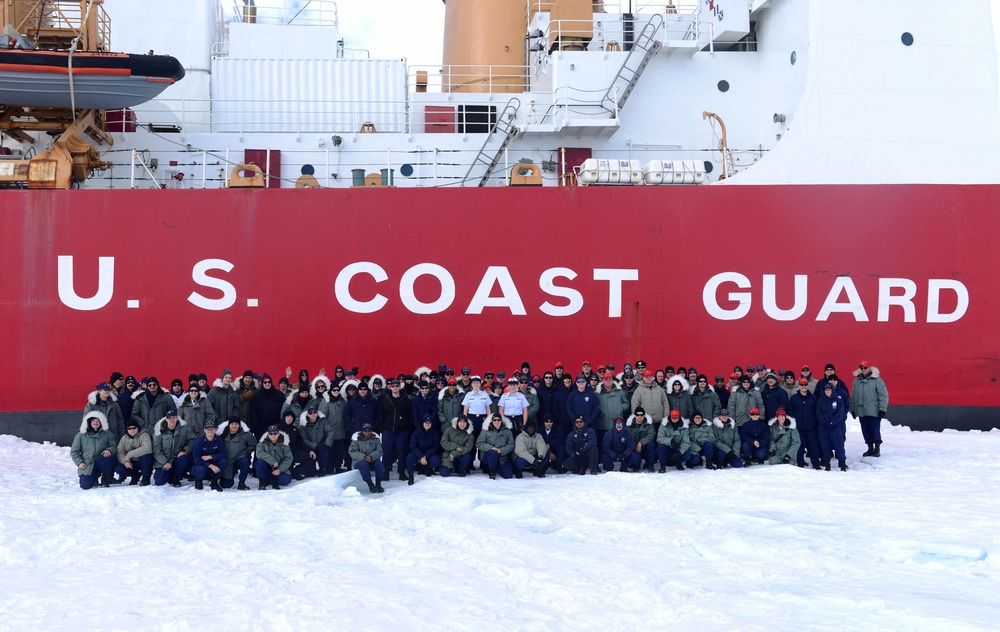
903, 276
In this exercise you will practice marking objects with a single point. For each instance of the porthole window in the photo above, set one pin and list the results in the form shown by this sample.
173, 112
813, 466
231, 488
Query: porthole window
907, 39
793, 57
723, 86
708, 166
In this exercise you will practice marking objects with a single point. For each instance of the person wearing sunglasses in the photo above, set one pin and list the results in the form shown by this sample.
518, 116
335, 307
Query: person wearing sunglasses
274, 459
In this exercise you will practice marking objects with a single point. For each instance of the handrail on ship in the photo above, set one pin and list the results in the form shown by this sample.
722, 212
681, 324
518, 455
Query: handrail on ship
312, 13
620, 6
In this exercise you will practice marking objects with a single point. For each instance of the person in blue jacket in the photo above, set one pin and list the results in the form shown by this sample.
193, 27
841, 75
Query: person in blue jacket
773, 395
360, 409
802, 406
581, 448
831, 414
425, 449
619, 447
756, 439
424, 404
722, 391
555, 440
583, 401
209, 458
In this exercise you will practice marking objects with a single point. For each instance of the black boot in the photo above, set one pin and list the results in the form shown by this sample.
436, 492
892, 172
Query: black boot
663, 468
133, 480
493, 474
826, 465
371, 487
144, 482
378, 485
242, 486
409, 479
199, 485
843, 466
216, 484
274, 484
870, 451
518, 474
104, 480
262, 485
878, 449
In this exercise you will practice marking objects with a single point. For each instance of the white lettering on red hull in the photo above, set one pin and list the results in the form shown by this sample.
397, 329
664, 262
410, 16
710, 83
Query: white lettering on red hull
105, 285
888, 296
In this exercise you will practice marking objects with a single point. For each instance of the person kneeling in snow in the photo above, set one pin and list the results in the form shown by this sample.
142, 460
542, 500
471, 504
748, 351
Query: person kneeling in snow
240, 444
727, 441
425, 449
172, 447
673, 442
93, 451
581, 448
459, 445
274, 459
702, 437
209, 458
496, 442
644, 436
366, 453
530, 452
619, 447
755, 439
135, 455
785, 439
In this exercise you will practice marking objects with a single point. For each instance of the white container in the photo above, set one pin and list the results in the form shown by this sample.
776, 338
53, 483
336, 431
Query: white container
658, 172
602, 171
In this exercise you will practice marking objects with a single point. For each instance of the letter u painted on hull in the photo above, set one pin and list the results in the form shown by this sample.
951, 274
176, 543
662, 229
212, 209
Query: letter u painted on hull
105, 284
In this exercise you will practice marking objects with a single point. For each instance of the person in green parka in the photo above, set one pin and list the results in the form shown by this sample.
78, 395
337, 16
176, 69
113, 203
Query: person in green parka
93, 451
173, 443
103, 400
645, 437
274, 459
702, 437
785, 439
458, 447
240, 444
727, 441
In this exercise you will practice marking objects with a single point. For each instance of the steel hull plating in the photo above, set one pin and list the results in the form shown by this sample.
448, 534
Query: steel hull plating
904, 276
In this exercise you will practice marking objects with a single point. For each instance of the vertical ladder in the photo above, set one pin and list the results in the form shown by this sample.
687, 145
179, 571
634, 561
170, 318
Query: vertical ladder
504, 126
643, 50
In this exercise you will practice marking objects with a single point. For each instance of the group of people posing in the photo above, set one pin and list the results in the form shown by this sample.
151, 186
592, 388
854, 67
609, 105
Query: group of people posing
449, 423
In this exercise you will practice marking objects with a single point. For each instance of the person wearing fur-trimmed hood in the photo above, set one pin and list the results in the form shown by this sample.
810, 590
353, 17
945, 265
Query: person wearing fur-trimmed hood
756, 438
702, 438
240, 445
612, 403
727, 441
495, 444
742, 400
313, 457
582, 451
102, 399
135, 455
644, 435
93, 451
705, 399
458, 447
869, 401
425, 449
449, 403
678, 398
366, 454
195, 409
150, 404
336, 432
785, 442
274, 459
530, 452
173, 444
673, 442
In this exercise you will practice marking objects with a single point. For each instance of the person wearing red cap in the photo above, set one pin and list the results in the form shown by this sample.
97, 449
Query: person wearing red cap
742, 400
449, 402
807, 373
586, 370
673, 441
869, 402
784, 439
802, 406
651, 398
756, 439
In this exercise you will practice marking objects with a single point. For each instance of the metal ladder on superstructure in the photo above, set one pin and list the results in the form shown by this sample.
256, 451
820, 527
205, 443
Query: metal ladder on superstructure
505, 126
643, 49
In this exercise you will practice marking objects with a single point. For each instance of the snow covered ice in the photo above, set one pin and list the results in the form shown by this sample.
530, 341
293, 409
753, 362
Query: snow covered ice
908, 541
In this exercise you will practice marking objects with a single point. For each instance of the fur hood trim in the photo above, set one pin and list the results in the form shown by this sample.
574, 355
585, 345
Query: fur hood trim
506, 421
303, 421
729, 422
600, 387
855, 372
357, 435
454, 424
685, 385
312, 387
93, 413
138, 392
377, 376
441, 393
284, 438
161, 425
354, 383
694, 388
631, 421
791, 421
186, 398
224, 429
685, 422
92, 398
289, 398
422, 369
218, 384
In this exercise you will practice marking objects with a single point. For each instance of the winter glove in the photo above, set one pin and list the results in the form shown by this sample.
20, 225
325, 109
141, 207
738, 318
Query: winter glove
786, 460
676, 443
771, 453
881, 414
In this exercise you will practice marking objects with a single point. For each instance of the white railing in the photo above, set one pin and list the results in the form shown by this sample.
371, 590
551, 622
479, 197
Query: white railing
469, 78
621, 6
310, 13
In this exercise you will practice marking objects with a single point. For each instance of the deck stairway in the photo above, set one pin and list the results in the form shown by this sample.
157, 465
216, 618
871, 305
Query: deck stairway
643, 49
506, 129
